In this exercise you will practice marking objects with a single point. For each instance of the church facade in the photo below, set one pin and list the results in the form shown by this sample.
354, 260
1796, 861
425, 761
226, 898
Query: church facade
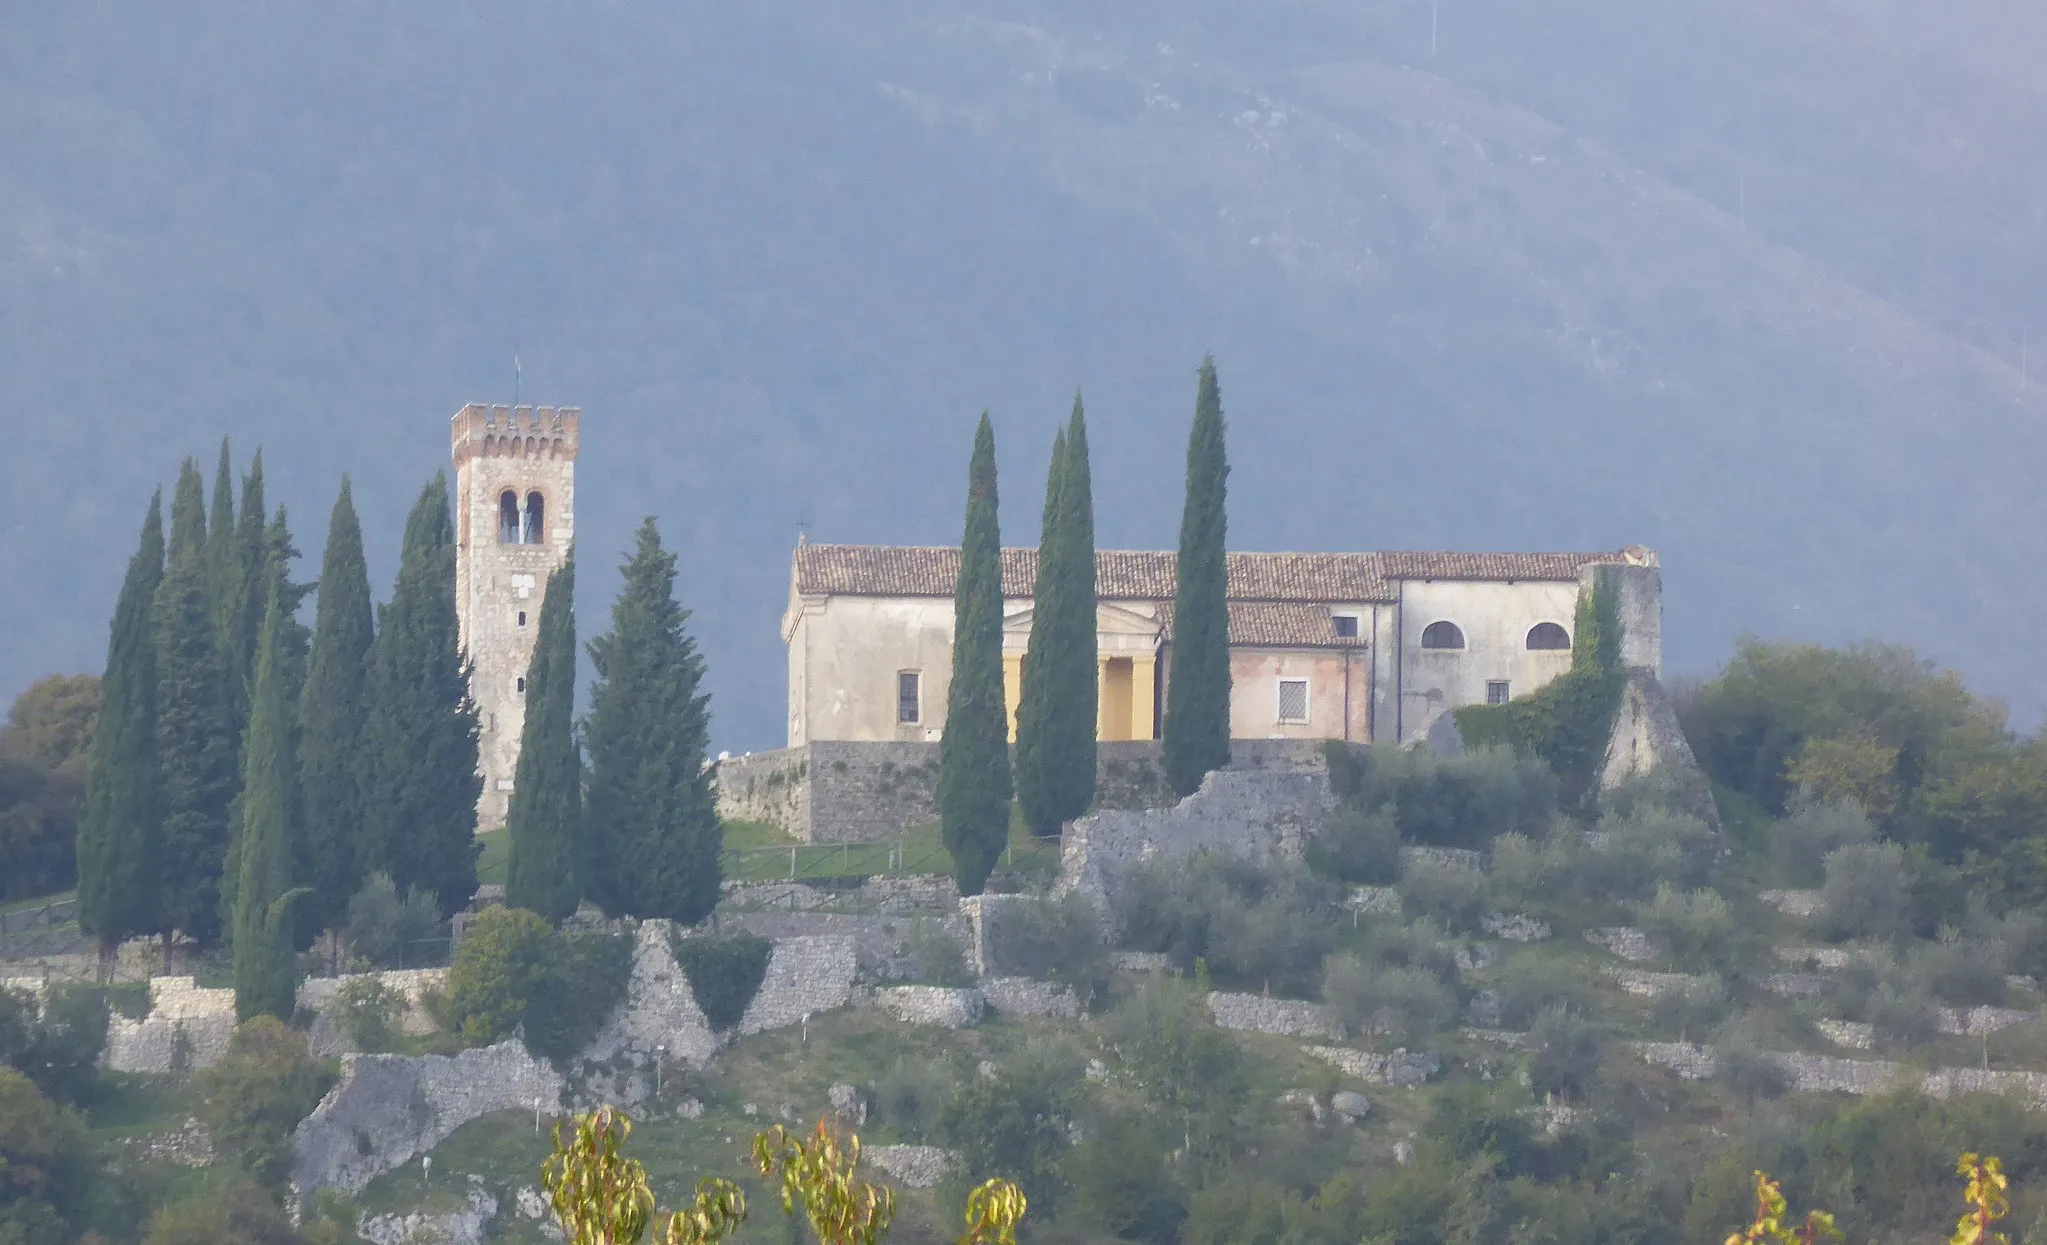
1366, 647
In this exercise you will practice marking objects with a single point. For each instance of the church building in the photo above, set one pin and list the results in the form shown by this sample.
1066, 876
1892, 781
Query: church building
1364, 647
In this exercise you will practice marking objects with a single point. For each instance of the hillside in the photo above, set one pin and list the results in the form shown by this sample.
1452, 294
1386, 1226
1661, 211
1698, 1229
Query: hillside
1750, 283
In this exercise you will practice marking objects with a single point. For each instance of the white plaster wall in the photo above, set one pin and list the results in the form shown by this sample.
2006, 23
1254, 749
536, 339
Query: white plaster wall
1495, 619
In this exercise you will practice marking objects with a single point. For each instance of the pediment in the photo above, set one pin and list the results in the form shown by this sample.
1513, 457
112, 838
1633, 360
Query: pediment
1110, 619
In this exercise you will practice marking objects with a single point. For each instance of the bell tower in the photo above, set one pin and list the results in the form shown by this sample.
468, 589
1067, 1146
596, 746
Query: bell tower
515, 490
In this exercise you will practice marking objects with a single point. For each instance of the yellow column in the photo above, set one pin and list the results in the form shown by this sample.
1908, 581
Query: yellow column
1143, 677
1012, 687
1102, 730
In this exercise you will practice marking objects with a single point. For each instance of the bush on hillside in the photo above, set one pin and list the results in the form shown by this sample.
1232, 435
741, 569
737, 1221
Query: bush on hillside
935, 956
1013, 1122
908, 1098
513, 973
1054, 939
1420, 944
1538, 877
1358, 847
1685, 1015
1402, 1005
47, 1166
368, 1012
1256, 928
724, 974
1867, 893
587, 976
1745, 1067
1564, 1049
1902, 1017
1799, 844
1960, 972
1694, 928
1540, 985
1630, 856
1464, 801
1452, 896
384, 930
257, 1094
236, 1210
1124, 1181
55, 1038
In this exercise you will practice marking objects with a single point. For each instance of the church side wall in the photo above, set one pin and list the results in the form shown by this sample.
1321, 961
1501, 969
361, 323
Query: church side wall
854, 647
1495, 619
1255, 676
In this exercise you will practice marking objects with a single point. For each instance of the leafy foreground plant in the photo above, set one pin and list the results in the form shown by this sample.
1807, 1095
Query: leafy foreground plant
1983, 1189
601, 1197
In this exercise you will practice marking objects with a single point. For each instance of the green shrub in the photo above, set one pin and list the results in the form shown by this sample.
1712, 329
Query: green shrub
55, 1040
1902, 1017
1420, 944
1636, 853
501, 965
724, 973
1958, 972
47, 1166
1256, 928
257, 1094
381, 927
1013, 1122
1123, 1180
1800, 842
1535, 986
1403, 1005
1745, 1068
908, 1099
587, 976
1695, 928
1537, 877
368, 1011
1867, 893
935, 955
1451, 895
1563, 1053
1465, 801
1358, 847
234, 1211
1057, 939
1684, 1015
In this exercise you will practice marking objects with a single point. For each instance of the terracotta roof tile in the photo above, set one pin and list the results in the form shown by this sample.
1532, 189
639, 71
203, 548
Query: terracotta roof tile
1137, 575
1275, 624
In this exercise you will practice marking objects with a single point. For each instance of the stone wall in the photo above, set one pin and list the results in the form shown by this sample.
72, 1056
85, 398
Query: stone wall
660, 1009
932, 1005
1025, 996
187, 1028
1399, 1068
1285, 1017
771, 787
805, 976
317, 995
388, 1109
1647, 742
849, 791
1255, 814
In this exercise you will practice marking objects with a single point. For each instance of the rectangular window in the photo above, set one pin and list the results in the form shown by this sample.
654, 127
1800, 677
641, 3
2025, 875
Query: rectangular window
1346, 626
1496, 692
1293, 700
522, 618
906, 697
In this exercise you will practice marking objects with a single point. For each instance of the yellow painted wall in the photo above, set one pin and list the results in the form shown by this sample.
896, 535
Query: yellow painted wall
1012, 687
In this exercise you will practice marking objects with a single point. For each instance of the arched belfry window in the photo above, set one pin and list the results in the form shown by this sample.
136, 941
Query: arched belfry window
1548, 637
1442, 635
508, 518
536, 518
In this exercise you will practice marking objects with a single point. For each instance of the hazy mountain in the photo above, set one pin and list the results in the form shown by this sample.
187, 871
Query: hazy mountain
1749, 281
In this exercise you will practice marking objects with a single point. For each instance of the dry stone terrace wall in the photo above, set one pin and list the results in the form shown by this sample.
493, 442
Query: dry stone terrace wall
187, 1028
387, 1109
771, 787
806, 976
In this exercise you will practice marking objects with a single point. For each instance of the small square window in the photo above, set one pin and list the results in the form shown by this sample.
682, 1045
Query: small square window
907, 706
1346, 626
1496, 692
522, 687
1293, 700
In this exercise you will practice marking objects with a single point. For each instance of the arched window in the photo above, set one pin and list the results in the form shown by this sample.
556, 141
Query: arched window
508, 518
1442, 635
536, 518
1548, 638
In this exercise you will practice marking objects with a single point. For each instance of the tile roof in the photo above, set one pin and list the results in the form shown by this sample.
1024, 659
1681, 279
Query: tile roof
1135, 575
1275, 624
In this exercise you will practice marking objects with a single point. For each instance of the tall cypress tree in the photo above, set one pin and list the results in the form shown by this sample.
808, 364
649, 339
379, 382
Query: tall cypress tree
227, 587
118, 835
1197, 727
195, 731
419, 814
248, 581
332, 713
544, 821
266, 968
973, 754
1057, 717
650, 818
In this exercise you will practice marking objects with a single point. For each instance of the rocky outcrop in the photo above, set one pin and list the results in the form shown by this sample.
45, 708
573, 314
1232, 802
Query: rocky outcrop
467, 1226
388, 1109
1624, 941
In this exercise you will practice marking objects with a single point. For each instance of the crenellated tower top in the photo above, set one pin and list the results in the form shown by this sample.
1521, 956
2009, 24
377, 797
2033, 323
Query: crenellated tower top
483, 431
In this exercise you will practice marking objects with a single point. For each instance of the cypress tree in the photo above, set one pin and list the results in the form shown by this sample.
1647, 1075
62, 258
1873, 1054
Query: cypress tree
118, 834
419, 816
266, 968
196, 743
1197, 727
1057, 717
651, 818
332, 714
973, 754
544, 822
249, 577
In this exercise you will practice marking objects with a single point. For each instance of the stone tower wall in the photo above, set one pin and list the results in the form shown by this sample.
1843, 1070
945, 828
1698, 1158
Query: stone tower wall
500, 585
